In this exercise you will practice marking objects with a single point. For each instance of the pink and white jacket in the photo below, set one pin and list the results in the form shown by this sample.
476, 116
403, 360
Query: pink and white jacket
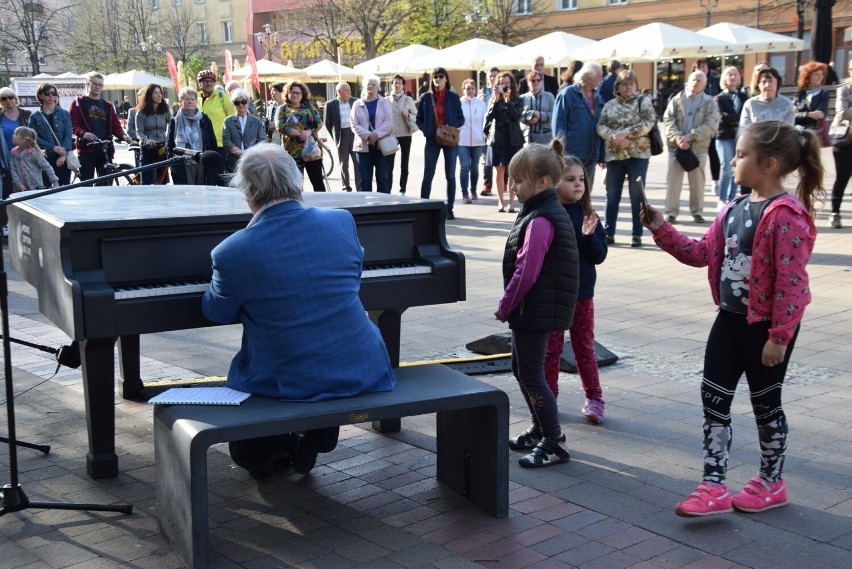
778, 284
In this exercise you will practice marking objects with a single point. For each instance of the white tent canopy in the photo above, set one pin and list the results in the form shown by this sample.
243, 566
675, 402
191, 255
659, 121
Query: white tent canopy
134, 80
653, 42
469, 55
743, 39
395, 62
557, 48
329, 71
268, 72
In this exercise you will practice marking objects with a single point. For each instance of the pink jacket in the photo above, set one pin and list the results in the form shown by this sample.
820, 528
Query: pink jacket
778, 284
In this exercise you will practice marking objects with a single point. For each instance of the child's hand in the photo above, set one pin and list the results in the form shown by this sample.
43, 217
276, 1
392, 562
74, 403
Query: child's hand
773, 354
651, 217
498, 317
589, 223
54, 185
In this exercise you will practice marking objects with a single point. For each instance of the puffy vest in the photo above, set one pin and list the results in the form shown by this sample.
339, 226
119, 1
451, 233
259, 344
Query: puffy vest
550, 303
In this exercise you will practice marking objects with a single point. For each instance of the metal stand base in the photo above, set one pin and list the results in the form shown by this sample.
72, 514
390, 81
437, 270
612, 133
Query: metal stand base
15, 500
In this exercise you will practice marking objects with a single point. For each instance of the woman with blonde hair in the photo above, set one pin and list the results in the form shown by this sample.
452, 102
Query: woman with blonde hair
471, 139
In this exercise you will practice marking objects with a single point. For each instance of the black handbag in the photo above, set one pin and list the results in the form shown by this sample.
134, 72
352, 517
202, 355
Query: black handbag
839, 134
657, 146
687, 159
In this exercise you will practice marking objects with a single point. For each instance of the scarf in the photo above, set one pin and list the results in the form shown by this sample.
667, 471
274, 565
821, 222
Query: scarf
188, 131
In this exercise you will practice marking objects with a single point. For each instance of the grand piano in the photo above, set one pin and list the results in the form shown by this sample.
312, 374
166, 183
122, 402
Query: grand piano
110, 263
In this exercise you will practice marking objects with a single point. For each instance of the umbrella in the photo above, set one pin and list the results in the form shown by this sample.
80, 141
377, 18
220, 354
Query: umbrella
329, 71
69, 75
653, 42
743, 39
468, 55
557, 48
268, 72
133, 80
822, 32
395, 61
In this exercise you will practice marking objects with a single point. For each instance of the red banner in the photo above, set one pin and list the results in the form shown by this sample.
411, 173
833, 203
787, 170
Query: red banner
170, 60
250, 60
229, 65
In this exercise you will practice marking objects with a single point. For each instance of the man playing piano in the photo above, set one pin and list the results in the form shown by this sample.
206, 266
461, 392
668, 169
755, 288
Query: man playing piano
306, 336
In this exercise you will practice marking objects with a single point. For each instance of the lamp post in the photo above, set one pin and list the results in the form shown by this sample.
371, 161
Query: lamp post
149, 46
709, 6
267, 39
477, 15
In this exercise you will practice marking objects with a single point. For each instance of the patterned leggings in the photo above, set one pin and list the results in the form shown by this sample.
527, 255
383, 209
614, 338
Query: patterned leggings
734, 347
582, 335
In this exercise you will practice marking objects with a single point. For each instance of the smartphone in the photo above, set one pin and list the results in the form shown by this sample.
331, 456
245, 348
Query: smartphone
501, 88
643, 199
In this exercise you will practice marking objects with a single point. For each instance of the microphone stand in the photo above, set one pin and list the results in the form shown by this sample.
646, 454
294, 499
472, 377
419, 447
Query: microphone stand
14, 497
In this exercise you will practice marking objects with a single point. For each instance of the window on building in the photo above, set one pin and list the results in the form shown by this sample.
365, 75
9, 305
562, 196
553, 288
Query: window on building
155, 4
615, 2
203, 38
567, 4
524, 7
176, 2
227, 32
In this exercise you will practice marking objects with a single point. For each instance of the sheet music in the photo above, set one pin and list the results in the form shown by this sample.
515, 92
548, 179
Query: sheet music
200, 396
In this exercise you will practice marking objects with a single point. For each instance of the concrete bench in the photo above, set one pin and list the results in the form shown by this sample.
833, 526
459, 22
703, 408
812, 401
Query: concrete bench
472, 431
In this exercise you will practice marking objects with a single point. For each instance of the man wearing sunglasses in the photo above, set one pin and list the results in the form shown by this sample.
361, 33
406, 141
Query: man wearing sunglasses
217, 106
93, 118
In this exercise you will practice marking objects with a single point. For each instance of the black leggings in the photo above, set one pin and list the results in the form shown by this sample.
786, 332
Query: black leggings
735, 347
843, 170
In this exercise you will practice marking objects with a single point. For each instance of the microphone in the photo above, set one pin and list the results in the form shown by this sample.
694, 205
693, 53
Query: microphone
207, 158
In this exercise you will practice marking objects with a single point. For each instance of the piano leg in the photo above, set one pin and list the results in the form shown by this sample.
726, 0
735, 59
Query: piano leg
98, 378
130, 380
389, 322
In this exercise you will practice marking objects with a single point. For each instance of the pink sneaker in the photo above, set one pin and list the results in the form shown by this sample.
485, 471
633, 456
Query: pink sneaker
594, 411
707, 500
760, 494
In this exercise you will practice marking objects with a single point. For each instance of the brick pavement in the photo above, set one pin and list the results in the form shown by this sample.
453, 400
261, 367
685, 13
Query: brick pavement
373, 502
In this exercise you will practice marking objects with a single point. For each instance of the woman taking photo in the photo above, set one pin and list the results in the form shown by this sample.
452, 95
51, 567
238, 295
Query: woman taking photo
811, 103
503, 127
52, 124
404, 125
298, 120
538, 106
241, 131
193, 130
372, 119
439, 106
730, 102
624, 125
152, 118
471, 139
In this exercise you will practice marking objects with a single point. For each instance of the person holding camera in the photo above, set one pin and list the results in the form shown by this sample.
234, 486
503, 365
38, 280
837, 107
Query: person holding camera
152, 118
503, 129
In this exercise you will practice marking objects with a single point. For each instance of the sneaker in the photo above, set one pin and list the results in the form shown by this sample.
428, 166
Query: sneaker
468, 200
6, 231
610, 239
529, 439
450, 214
834, 219
473, 195
636, 241
707, 500
486, 191
760, 494
547, 452
697, 219
594, 411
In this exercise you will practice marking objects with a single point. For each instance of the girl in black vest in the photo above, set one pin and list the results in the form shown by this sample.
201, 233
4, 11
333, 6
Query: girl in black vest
540, 274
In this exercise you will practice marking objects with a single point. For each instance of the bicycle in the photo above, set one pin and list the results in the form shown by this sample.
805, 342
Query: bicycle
327, 157
111, 167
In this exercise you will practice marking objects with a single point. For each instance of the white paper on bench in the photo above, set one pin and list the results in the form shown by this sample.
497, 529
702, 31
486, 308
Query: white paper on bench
200, 396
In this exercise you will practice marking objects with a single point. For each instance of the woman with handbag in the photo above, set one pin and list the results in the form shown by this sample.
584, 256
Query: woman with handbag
241, 131
439, 116
811, 102
842, 152
52, 124
503, 128
152, 117
298, 121
538, 108
372, 120
624, 125
404, 125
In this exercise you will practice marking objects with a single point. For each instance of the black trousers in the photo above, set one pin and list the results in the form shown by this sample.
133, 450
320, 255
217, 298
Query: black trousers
843, 169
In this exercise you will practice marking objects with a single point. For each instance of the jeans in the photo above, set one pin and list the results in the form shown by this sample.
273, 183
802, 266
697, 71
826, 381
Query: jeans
615, 171
430, 159
404, 154
151, 156
374, 158
91, 162
726, 148
469, 162
590, 167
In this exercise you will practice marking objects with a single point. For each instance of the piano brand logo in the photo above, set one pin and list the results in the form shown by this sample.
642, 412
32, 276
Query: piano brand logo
359, 417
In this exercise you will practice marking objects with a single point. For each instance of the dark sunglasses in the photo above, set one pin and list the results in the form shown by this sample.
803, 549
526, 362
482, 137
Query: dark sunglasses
241, 102
50, 94
8, 98
439, 76
535, 81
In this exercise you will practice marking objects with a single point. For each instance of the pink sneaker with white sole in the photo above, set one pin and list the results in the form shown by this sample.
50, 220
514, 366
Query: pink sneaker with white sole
760, 494
707, 500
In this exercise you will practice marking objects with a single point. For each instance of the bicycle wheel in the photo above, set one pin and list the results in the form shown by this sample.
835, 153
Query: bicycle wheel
327, 160
126, 179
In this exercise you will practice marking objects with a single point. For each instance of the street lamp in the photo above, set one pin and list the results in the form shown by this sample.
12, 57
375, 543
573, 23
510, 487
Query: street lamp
477, 15
267, 39
708, 9
151, 45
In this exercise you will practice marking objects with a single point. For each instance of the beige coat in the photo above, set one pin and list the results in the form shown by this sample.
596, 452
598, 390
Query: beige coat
704, 126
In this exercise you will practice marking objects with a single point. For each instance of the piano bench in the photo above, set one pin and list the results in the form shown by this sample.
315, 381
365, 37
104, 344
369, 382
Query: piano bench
472, 434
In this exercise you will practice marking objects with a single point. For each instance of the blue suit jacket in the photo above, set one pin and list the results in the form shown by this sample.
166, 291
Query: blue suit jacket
574, 122
292, 279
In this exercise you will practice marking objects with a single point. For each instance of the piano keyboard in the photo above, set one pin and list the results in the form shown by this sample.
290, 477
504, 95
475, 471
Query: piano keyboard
200, 286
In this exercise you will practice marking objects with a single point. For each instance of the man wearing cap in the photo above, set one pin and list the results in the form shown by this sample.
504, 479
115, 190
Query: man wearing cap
217, 106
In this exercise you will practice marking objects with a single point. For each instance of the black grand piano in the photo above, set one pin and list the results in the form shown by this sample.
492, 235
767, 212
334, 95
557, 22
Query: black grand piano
113, 263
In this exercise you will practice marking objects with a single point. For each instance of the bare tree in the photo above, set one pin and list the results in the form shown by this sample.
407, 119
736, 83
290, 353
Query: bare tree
513, 21
29, 25
376, 21
320, 22
179, 31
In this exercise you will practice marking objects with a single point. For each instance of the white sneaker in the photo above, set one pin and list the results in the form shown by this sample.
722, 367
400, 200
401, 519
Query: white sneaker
720, 206
5, 231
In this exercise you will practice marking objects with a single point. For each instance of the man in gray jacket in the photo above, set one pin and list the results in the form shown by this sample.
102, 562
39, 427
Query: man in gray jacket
691, 120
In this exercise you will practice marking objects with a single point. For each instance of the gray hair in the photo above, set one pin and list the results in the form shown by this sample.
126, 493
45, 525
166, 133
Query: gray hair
341, 85
267, 173
8, 92
231, 85
239, 94
589, 70
366, 81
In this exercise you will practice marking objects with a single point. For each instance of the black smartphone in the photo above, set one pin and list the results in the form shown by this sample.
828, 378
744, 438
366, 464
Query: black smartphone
643, 199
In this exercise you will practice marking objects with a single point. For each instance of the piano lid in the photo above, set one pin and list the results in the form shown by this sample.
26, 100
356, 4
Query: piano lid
111, 206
